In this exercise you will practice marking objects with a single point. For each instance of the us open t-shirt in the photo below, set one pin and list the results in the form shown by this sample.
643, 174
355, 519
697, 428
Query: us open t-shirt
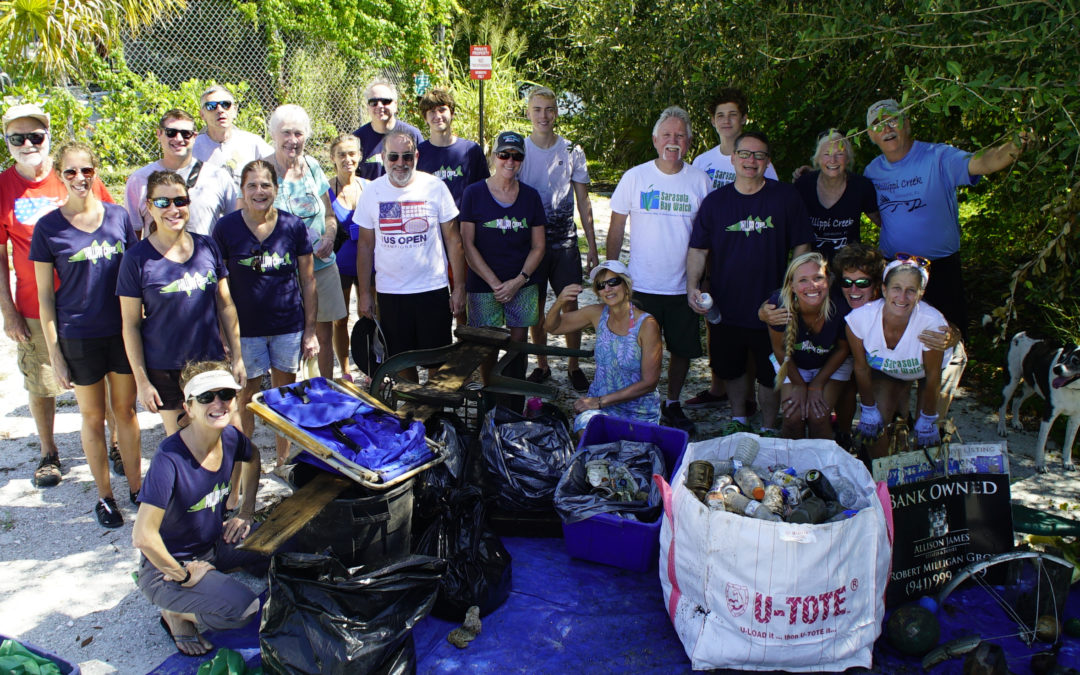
410, 256
87, 264
459, 164
192, 497
661, 211
264, 284
179, 302
503, 234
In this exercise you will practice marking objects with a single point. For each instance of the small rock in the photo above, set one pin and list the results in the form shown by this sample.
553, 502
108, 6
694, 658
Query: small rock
70, 624
95, 667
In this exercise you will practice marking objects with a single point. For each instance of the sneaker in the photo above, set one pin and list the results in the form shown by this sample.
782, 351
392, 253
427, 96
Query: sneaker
768, 433
578, 381
117, 461
47, 473
108, 514
134, 496
538, 375
705, 399
672, 415
734, 427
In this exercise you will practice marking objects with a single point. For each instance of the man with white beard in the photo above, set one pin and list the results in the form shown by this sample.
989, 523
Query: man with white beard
29, 190
406, 225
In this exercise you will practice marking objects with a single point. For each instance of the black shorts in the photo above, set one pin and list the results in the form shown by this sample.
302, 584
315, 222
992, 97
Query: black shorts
945, 292
89, 359
415, 320
680, 325
728, 347
559, 268
167, 383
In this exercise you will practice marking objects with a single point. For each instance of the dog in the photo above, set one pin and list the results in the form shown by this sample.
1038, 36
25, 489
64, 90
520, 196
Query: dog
1052, 370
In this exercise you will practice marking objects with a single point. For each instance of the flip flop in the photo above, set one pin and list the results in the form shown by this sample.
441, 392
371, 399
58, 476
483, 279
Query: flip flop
184, 639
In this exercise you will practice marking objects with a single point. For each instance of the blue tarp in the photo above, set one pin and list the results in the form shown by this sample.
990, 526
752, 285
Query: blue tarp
567, 616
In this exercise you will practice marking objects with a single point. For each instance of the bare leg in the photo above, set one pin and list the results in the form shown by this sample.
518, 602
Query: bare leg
43, 410
280, 379
678, 367
341, 335
769, 402
91, 400
573, 340
737, 390
181, 625
794, 423
110, 418
820, 426
170, 419
324, 332
125, 425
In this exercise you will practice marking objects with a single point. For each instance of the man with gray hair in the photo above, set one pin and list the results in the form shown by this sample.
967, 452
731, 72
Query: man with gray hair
660, 198
381, 96
222, 144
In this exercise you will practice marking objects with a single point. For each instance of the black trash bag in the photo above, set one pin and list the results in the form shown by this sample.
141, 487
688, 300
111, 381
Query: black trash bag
576, 500
321, 617
448, 429
477, 565
525, 457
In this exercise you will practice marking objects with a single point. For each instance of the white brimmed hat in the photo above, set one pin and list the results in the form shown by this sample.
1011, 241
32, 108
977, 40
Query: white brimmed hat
211, 380
610, 265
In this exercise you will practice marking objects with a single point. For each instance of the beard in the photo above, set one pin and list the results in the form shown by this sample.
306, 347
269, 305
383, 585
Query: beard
35, 160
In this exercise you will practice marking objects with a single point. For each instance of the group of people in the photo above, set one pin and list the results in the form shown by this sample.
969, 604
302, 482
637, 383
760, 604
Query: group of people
236, 258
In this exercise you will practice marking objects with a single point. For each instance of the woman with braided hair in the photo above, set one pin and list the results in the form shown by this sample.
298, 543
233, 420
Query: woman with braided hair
809, 350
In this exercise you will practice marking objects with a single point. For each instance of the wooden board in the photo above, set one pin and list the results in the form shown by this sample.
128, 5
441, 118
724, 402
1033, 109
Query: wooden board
289, 516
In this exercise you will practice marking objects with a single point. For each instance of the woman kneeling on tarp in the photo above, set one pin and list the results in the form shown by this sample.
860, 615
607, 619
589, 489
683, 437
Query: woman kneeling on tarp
185, 545
628, 351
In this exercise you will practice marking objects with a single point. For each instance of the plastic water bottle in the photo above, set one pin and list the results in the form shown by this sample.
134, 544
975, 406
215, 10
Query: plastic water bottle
533, 407
846, 493
811, 510
743, 505
746, 450
784, 477
750, 483
713, 314
723, 467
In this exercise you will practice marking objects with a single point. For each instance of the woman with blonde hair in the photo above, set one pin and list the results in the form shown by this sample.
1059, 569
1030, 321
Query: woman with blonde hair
809, 351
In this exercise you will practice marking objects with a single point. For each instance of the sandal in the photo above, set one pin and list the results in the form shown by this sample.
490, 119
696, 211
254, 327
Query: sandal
178, 640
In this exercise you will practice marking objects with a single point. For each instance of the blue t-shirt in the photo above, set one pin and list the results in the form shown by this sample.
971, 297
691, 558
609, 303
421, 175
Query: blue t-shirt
192, 497
87, 264
812, 349
503, 234
179, 302
303, 198
749, 237
917, 199
459, 165
837, 226
371, 148
264, 283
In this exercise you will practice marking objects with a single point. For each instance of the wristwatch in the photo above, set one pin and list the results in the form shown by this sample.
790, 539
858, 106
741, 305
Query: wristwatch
526, 275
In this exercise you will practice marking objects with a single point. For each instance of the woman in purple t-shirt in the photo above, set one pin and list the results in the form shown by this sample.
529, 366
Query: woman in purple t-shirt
174, 301
82, 243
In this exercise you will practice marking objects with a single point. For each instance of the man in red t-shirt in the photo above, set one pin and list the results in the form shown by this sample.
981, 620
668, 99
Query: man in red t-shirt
29, 190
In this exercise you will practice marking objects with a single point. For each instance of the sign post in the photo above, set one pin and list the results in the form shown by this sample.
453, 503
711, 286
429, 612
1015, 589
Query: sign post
480, 69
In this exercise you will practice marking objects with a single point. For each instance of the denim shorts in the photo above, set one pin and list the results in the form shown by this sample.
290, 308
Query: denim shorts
282, 352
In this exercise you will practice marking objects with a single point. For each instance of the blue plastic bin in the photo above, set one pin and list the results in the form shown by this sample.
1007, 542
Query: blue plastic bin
607, 538
66, 667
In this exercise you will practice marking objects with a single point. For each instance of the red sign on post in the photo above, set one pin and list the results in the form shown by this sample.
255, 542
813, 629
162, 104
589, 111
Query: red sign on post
480, 62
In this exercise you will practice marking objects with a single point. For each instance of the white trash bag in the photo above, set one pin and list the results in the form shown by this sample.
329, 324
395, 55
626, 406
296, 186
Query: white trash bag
760, 595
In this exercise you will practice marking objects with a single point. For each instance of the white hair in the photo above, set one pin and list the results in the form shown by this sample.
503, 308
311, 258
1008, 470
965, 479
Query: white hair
679, 114
289, 112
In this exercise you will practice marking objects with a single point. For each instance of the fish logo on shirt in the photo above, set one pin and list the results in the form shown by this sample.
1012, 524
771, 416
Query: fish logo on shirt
267, 261
190, 282
95, 252
28, 210
751, 224
212, 499
445, 173
506, 224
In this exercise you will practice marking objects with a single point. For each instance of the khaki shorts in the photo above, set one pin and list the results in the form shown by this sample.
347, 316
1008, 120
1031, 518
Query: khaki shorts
38, 376
331, 299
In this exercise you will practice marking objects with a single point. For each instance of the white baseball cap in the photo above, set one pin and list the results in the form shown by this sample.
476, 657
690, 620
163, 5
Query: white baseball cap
17, 112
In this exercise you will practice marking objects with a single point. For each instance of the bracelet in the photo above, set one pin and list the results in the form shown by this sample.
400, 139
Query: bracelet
187, 577
599, 402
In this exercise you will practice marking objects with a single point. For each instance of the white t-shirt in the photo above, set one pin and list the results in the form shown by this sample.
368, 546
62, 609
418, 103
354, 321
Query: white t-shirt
550, 171
232, 155
905, 361
720, 169
213, 195
661, 211
410, 256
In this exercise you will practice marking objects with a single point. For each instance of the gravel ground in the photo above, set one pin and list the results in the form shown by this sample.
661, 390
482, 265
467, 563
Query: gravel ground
66, 584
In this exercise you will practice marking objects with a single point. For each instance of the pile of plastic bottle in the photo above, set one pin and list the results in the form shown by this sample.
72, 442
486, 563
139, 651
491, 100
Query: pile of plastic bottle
777, 493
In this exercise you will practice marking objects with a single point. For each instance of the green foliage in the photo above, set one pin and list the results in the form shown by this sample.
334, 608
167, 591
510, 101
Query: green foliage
323, 83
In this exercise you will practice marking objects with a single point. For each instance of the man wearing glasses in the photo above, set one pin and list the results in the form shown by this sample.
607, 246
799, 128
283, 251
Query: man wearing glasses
381, 97
749, 226
29, 190
660, 199
212, 190
222, 144
406, 225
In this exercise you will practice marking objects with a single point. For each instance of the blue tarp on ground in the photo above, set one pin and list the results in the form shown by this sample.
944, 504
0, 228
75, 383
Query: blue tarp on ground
567, 616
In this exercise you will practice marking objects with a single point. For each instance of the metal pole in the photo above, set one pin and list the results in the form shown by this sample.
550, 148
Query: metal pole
482, 146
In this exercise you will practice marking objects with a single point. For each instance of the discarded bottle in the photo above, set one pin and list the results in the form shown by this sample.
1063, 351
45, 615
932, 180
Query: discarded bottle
820, 485
750, 483
533, 407
743, 505
846, 493
784, 477
746, 450
723, 467
811, 510
774, 499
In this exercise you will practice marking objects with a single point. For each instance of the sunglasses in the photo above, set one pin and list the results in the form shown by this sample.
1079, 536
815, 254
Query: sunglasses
403, 156
372, 102
857, 283
211, 106
913, 259
510, 156
86, 171
207, 397
35, 138
185, 134
890, 122
610, 283
747, 154
163, 202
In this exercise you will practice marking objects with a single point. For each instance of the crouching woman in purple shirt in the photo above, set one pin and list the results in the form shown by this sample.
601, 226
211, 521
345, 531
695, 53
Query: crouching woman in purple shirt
186, 548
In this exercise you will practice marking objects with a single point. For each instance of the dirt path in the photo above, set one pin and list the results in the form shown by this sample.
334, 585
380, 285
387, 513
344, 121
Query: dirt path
66, 585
